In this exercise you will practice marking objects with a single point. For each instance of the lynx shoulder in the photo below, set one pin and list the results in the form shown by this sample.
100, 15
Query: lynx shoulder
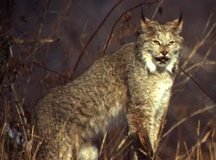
133, 84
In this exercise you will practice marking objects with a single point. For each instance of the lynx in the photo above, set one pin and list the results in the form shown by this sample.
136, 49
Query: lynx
134, 82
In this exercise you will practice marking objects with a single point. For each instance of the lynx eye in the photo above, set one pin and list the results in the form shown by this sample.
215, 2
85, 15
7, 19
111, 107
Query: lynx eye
156, 42
171, 42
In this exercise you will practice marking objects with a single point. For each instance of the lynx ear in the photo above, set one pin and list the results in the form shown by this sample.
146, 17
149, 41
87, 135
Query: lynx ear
144, 22
177, 24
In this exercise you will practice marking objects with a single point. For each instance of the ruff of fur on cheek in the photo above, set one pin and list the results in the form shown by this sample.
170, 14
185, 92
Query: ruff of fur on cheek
150, 65
172, 67
145, 57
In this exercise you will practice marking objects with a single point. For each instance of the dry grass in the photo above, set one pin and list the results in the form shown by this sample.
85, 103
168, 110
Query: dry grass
31, 59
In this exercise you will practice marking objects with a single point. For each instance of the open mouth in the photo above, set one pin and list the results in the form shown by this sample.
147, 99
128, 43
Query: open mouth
162, 60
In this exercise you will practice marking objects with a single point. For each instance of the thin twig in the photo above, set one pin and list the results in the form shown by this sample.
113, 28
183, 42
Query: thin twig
103, 142
116, 22
200, 111
26, 41
199, 44
93, 35
157, 8
198, 85
20, 111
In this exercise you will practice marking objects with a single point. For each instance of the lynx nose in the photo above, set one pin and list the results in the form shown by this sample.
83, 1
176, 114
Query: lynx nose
164, 53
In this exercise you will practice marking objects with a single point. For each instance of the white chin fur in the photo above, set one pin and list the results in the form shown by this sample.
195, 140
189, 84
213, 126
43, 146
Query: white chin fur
150, 64
152, 67
170, 67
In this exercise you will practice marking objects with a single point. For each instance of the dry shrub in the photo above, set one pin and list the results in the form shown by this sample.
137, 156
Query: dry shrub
30, 74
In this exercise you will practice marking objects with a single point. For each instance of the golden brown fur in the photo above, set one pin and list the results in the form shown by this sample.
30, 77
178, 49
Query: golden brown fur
133, 84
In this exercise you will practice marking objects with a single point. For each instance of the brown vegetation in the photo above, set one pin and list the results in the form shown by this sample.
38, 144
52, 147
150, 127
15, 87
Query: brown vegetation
43, 55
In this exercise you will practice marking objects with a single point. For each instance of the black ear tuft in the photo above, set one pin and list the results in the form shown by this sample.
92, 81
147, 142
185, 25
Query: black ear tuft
142, 16
180, 18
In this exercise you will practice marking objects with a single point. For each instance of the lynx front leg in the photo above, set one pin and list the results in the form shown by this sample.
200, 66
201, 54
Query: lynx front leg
138, 121
145, 120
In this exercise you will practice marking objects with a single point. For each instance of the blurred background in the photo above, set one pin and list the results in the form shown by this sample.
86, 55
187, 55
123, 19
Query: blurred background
45, 43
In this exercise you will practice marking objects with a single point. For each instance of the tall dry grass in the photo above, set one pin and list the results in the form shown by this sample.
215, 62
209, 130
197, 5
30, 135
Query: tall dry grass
29, 61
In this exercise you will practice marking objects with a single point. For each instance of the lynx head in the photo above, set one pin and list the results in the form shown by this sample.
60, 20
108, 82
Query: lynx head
160, 44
